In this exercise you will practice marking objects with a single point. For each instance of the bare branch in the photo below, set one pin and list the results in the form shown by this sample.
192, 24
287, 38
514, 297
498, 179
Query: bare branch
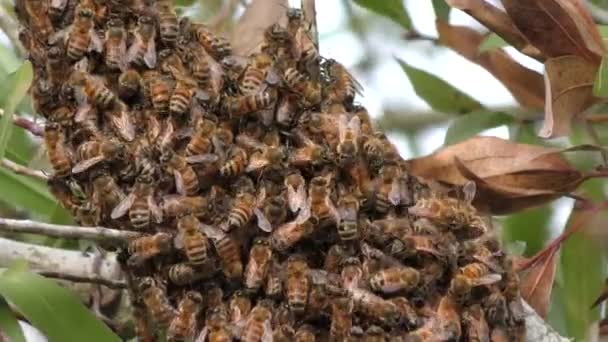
64, 264
310, 15
99, 234
537, 329
226, 12
22, 170
26, 124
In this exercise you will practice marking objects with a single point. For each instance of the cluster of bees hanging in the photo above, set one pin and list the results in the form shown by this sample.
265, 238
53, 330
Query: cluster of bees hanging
272, 209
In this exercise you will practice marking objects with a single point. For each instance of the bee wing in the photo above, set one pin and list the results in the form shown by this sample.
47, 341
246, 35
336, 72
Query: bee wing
179, 183
178, 240
96, 43
469, 189
133, 50
124, 127
304, 213
122, 207
60, 4
248, 142
212, 232
355, 125
156, 211
256, 162
218, 147
342, 126
263, 222
202, 337
273, 77
332, 208
202, 158
394, 195
150, 54
487, 280
491, 265
122, 50
294, 198
84, 107
267, 335
84, 165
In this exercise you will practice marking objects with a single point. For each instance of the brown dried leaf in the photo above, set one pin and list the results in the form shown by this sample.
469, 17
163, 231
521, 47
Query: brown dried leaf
537, 283
525, 85
569, 91
557, 27
249, 30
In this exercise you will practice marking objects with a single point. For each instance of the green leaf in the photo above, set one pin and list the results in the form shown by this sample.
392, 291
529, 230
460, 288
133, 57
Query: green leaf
392, 9
58, 314
19, 82
603, 30
9, 324
600, 86
492, 42
439, 94
531, 226
183, 3
442, 10
473, 123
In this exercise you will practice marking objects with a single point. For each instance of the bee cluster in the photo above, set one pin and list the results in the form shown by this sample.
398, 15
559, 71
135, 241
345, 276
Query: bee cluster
272, 209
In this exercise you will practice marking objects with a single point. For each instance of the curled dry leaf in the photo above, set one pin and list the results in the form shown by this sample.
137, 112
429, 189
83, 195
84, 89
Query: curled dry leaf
509, 176
249, 30
568, 92
525, 85
537, 283
557, 27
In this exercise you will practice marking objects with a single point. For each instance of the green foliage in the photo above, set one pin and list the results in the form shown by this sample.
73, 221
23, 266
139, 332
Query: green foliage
391, 9
9, 324
442, 10
51, 308
531, 226
600, 86
492, 42
469, 125
18, 82
439, 94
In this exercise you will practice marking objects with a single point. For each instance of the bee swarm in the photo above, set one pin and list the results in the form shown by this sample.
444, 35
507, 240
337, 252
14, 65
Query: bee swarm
272, 208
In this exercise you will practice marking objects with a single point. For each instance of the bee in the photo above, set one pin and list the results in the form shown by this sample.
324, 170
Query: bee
288, 234
236, 163
58, 152
374, 307
257, 73
308, 153
142, 329
129, 84
143, 48
38, 20
186, 180
277, 42
116, 45
82, 37
106, 193
388, 193
283, 333
470, 276
272, 213
181, 98
343, 87
242, 210
348, 209
334, 258
309, 90
447, 325
140, 204
352, 273
216, 327
201, 140
55, 66
183, 325
93, 152
239, 307
341, 319
56, 8
349, 136
228, 250
158, 91
296, 191
121, 121
322, 126
241, 105
297, 284
185, 273
380, 232
91, 90
216, 46
260, 258
176, 205
395, 279
156, 302
305, 333
477, 328
167, 21
258, 325
374, 149
195, 244
273, 287
146, 247
262, 156
375, 333
322, 209
476, 251
407, 312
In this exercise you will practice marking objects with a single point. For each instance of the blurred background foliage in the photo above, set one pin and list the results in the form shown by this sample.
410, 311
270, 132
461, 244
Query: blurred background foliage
425, 96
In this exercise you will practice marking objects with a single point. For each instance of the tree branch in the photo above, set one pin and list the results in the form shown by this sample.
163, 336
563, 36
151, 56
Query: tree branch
26, 124
537, 329
598, 14
98, 234
22, 170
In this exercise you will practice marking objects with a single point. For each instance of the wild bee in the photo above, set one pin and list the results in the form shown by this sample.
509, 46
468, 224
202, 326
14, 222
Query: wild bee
389, 190
82, 37
176, 205
158, 91
236, 163
260, 258
351, 274
394, 279
322, 209
240, 105
343, 87
181, 98
106, 193
308, 153
309, 90
143, 48
93, 152
258, 326
183, 326
186, 180
140, 204
305, 333
273, 287
296, 191
146, 247
156, 302
129, 84
228, 250
201, 140
167, 21
58, 152
297, 284
348, 146
348, 210
470, 276
194, 242
116, 45
91, 90
216, 46
374, 307
475, 323
288, 234
185, 273
341, 319
239, 307
55, 66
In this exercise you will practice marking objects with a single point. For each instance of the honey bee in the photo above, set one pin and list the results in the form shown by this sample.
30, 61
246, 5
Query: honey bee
194, 242
58, 152
260, 258
93, 152
407, 311
116, 45
181, 99
156, 302
56, 8
374, 307
308, 153
239, 307
288, 234
184, 274
322, 126
121, 121
183, 325
272, 213
236, 163
140, 204
216, 327
273, 288
228, 250
242, 210
395, 279
176, 205
216, 46
297, 284
447, 325
283, 333
38, 21
348, 209
308, 89
470, 276
477, 328
258, 326
106, 193
158, 91
375, 333
322, 209
341, 319
305, 333
142, 329
476, 251
241, 105
143, 49
296, 191
352, 273
277, 42
348, 146
186, 180
262, 156
256, 74
374, 148
389, 189
380, 232
91, 90
201, 140
343, 87
146, 247
55, 66
334, 258
167, 21
82, 37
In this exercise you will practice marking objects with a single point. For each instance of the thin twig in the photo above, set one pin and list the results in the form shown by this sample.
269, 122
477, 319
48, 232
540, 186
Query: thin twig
226, 12
22, 170
26, 124
310, 16
99, 234
91, 278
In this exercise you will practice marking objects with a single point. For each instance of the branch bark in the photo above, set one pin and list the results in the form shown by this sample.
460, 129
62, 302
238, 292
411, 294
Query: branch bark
22, 170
